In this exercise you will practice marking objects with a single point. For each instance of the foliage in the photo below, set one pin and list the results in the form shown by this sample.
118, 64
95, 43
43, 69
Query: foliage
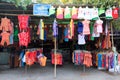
100, 3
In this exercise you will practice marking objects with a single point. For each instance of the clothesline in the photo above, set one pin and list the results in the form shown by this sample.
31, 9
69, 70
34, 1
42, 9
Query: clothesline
6, 14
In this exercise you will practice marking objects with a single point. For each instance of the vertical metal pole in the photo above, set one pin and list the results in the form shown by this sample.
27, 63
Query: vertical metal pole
55, 58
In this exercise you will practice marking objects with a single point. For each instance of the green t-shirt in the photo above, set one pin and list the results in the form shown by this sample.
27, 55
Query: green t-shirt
101, 11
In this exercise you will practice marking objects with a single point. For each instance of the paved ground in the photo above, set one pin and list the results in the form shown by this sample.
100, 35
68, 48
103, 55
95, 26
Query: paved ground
66, 72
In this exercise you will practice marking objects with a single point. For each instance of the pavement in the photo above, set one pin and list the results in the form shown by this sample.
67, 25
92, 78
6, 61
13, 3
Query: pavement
65, 72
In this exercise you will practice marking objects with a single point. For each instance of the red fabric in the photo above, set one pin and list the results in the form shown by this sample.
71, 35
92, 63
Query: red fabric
115, 13
23, 21
23, 38
58, 59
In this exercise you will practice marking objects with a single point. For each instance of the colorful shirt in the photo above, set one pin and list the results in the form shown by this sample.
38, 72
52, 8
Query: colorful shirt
67, 13
60, 13
115, 13
86, 29
108, 13
74, 13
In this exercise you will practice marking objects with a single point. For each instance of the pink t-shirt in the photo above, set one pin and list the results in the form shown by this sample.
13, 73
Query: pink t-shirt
99, 26
86, 29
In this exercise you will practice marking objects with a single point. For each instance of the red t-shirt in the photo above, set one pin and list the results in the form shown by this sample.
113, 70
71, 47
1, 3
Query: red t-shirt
115, 13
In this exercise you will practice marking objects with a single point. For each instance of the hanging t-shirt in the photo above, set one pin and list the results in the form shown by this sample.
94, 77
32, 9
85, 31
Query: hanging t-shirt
94, 13
87, 13
81, 13
86, 29
60, 12
67, 13
98, 24
51, 11
95, 33
81, 39
115, 13
108, 13
74, 13
80, 27
101, 11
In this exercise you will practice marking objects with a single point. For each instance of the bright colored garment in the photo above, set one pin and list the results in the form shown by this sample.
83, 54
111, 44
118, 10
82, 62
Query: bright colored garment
115, 13
80, 27
51, 10
71, 30
40, 31
101, 11
98, 24
58, 58
81, 13
23, 21
5, 24
5, 38
60, 13
87, 59
67, 12
23, 39
108, 13
74, 12
86, 29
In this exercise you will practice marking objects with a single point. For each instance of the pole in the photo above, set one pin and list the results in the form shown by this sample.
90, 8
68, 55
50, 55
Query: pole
55, 57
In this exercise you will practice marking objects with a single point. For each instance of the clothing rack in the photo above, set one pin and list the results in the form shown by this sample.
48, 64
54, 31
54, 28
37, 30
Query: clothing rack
30, 49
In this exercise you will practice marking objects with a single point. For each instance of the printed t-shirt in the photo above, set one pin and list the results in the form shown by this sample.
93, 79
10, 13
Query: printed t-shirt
60, 13
67, 13
74, 13
99, 26
115, 13
94, 13
81, 13
108, 13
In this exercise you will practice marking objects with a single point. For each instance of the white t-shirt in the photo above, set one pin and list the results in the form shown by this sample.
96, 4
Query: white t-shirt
94, 13
81, 39
88, 14
108, 13
81, 12
95, 33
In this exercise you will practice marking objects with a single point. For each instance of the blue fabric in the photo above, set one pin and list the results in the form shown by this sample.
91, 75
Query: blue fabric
80, 27
21, 57
66, 34
11, 39
100, 60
